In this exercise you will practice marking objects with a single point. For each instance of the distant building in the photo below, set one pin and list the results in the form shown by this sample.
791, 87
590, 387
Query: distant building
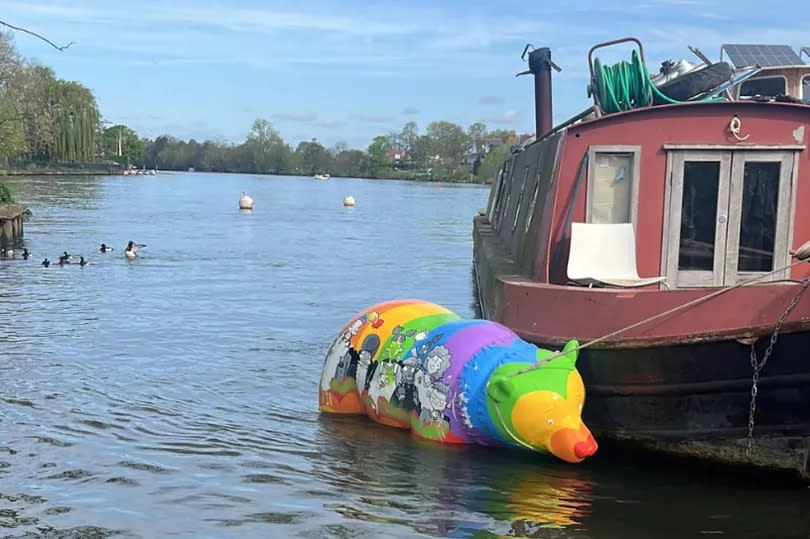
397, 156
482, 146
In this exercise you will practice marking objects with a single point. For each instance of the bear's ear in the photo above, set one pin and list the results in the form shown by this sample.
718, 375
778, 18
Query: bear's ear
567, 358
571, 350
499, 389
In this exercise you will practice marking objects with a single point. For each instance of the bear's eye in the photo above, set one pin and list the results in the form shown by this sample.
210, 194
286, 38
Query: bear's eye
550, 421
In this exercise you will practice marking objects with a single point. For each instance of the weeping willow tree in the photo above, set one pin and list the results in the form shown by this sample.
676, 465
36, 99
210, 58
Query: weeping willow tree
43, 118
75, 123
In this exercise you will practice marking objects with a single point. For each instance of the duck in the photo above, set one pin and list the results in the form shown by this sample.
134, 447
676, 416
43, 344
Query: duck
105, 249
67, 256
46, 262
63, 259
132, 249
82, 261
26, 254
10, 252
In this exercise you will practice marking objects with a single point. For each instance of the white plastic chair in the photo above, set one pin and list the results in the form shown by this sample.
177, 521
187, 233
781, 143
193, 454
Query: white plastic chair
605, 254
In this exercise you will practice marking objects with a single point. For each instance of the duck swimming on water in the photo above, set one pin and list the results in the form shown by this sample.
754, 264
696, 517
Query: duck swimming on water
25, 253
105, 249
46, 262
132, 249
82, 261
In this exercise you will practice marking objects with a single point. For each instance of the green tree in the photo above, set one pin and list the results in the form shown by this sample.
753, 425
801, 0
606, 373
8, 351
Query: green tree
5, 195
448, 144
378, 162
349, 163
312, 158
409, 134
478, 130
270, 154
492, 162
121, 144
500, 133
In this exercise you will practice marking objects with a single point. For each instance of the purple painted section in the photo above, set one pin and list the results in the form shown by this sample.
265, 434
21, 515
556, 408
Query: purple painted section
462, 346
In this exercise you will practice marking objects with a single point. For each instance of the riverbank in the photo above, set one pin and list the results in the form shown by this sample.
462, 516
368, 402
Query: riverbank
105, 170
63, 171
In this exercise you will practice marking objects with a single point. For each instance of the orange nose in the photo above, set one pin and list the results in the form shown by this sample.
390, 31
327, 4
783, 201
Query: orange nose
573, 445
587, 448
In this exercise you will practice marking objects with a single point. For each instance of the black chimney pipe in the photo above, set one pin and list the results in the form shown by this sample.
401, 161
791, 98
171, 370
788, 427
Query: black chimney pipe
540, 65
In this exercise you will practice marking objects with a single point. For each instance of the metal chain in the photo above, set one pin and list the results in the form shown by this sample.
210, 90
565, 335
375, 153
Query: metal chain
759, 365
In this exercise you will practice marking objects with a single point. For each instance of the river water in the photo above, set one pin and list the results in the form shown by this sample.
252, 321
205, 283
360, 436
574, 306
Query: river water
176, 395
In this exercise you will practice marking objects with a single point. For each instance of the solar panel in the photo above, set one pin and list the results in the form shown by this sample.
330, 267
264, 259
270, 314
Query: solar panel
762, 55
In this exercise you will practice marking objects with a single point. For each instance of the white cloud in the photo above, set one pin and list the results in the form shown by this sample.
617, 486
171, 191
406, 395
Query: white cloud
508, 117
374, 118
305, 116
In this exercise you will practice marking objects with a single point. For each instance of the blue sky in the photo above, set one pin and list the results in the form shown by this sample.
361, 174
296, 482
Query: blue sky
349, 70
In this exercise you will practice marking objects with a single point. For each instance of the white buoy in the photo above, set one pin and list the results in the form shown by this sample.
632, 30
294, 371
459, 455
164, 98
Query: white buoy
245, 203
348, 201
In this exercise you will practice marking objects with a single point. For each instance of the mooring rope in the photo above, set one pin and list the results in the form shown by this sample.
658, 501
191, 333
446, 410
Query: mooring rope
802, 254
503, 424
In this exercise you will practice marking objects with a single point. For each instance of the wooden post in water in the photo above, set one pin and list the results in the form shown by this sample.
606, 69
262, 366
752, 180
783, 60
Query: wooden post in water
11, 224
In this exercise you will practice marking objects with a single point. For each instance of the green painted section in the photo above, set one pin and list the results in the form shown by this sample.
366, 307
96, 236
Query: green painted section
342, 387
396, 347
504, 390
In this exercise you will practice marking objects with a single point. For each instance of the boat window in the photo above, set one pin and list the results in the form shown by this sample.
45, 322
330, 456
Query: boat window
760, 198
532, 205
520, 198
729, 216
806, 89
507, 187
493, 203
612, 185
763, 87
698, 215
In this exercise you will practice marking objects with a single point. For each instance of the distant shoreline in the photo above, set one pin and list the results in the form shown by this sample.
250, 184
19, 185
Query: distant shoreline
110, 171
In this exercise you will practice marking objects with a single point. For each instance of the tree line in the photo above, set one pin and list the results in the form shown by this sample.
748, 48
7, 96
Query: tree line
439, 153
50, 121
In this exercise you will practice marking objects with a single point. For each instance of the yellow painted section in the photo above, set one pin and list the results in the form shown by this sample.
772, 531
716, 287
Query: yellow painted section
393, 316
576, 390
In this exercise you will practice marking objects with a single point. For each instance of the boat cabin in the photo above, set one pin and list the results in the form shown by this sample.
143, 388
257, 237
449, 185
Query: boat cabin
782, 73
713, 189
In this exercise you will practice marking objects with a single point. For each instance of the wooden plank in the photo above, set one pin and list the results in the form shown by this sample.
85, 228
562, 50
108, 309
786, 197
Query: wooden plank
715, 147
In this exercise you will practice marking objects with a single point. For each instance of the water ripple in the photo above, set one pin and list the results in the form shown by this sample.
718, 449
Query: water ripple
176, 394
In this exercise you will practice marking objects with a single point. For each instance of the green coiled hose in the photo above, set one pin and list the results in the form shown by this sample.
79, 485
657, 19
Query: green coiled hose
625, 86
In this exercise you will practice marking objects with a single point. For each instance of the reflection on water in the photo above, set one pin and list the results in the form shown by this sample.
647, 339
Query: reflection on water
176, 394
384, 475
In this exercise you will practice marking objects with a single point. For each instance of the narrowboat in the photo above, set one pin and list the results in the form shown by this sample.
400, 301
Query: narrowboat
662, 229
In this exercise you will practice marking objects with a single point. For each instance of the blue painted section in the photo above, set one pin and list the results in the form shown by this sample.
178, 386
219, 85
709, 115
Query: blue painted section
474, 379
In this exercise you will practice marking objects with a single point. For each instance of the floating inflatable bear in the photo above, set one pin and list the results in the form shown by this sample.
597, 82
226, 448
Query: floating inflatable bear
416, 365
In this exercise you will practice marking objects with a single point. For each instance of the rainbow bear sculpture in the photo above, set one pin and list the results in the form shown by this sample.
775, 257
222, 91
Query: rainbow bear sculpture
417, 365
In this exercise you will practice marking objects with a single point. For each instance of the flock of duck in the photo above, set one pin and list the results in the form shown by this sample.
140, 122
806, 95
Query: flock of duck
130, 252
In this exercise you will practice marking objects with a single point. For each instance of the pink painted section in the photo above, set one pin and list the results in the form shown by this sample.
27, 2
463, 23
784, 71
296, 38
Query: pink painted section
544, 313
651, 128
